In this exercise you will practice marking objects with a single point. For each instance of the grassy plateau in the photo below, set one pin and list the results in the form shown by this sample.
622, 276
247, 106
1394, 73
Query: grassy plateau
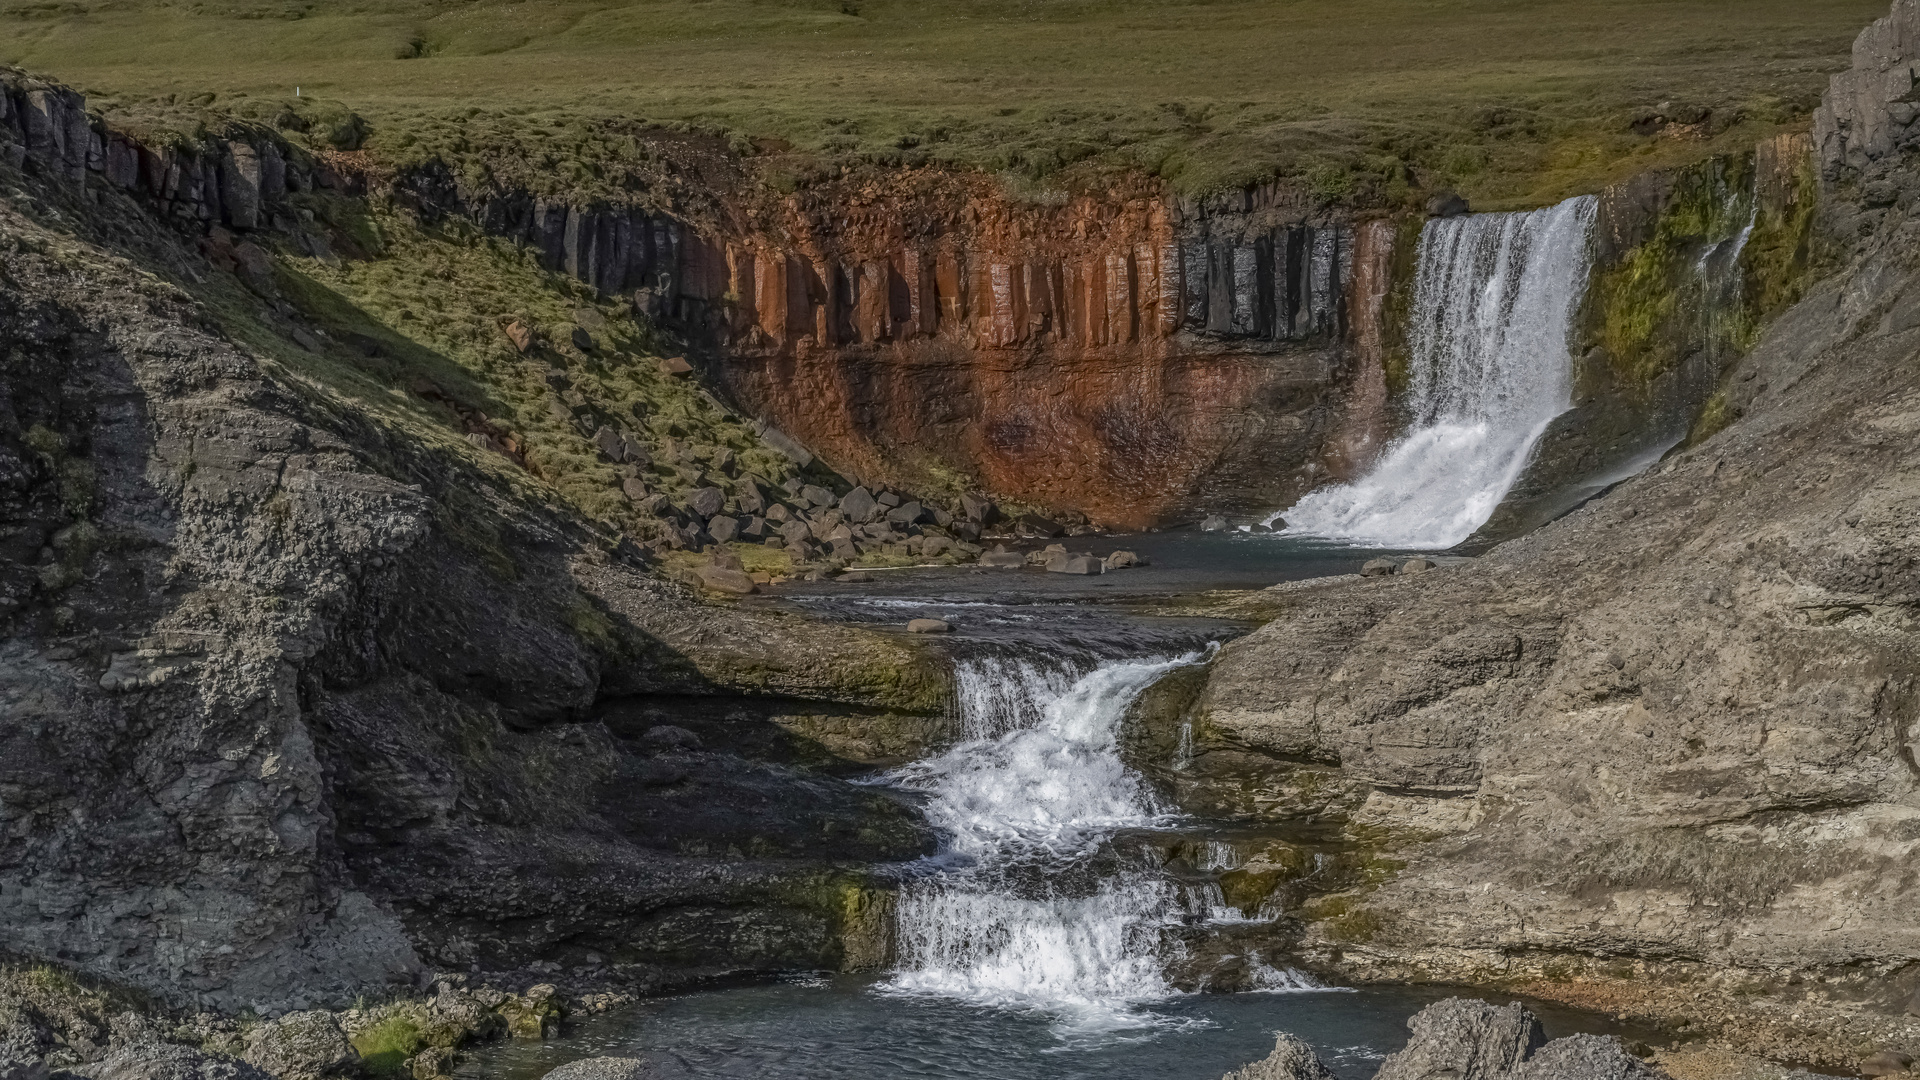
1513, 102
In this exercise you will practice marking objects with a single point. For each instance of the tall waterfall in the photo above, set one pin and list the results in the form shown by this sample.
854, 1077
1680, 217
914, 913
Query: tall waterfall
1038, 908
1495, 296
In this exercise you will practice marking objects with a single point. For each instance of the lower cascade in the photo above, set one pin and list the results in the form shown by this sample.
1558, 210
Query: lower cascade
1495, 296
1034, 905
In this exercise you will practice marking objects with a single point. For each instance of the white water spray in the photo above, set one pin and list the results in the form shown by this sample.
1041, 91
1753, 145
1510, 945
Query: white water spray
1044, 913
1494, 300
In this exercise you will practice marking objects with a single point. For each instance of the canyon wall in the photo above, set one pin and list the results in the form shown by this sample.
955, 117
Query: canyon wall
1658, 756
301, 699
1121, 355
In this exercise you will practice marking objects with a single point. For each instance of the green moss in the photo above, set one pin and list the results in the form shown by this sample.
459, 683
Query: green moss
1654, 306
385, 1047
1396, 313
1780, 259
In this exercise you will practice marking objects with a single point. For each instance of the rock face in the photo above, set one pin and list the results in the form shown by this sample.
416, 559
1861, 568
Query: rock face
1125, 356
1292, 1059
1660, 752
1465, 1039
279, 725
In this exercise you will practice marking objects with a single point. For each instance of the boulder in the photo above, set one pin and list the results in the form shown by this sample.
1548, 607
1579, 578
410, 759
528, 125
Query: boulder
859, 504
887, 499
1585, 1057
1000, 556
663, 737
676, 367
1417, 566
1213, 523
725, 579
843, 548
1120, 560
1378, 568
749, 497
1446, 204
855, 577
967, 530
909, 513
706, 501
1034, 525
1464, 1039
754, 529
1884, 1063
634, 488
603, 1068
779, 514
521, 335
534, 1014
935, 545
168, 1061
929, 626
581, 339
302, 1046
1292, 1059
723, 529
1076, 564
796, 532
817, 495
432, 1063
979, 509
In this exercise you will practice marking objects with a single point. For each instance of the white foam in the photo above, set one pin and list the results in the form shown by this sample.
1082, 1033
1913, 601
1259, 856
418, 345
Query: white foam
1495, 296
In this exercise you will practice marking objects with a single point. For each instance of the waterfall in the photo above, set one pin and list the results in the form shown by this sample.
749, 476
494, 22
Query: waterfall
1038, 908
1495, 296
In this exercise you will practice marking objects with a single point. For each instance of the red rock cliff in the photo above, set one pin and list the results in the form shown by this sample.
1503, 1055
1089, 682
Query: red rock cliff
1120, 355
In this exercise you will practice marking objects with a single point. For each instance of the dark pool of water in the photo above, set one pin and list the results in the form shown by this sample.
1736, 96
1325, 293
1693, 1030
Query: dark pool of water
1088, 613
845, 1028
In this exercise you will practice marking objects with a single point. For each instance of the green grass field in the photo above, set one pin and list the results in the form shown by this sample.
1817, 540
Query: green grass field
1512, 101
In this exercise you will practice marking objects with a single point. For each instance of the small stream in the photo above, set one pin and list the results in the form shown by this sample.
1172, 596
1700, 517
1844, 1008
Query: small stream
1071, 918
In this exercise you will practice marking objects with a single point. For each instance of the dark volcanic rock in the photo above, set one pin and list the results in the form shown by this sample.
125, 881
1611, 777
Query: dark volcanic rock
290, 715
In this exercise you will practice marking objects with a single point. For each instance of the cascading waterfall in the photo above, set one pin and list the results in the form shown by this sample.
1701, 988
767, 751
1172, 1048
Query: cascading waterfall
1495, 296
1039, 908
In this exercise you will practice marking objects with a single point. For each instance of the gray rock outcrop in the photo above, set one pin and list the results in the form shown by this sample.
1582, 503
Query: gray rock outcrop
1585, 1057
1292, 1059
301, 1046
1464, 1039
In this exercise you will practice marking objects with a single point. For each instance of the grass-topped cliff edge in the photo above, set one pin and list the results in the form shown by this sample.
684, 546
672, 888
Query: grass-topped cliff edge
1513, 102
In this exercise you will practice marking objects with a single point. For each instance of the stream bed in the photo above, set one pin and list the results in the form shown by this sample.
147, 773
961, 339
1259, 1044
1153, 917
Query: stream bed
1072, 924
